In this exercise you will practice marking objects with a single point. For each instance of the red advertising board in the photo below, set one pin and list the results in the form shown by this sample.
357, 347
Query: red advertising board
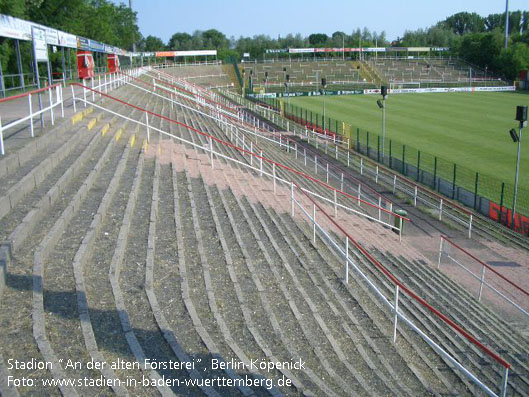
504, 216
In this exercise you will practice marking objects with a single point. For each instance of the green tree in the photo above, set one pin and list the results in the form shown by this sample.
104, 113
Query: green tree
465, 22
215, 39
153, 43
179, 41
317, 39
514, 59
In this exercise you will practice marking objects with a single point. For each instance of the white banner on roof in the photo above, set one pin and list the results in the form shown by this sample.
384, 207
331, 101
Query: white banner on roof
15, 28
195, 53
52, 37
442, 89
67, 39
300, 50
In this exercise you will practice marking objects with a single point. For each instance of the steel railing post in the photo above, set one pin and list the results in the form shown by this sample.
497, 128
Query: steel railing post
274, 175
315, 164
503, 392
314, 223
327, 170
261, 162
440, 253
292, 198
93, 92
84, 94
379, 206
348, 158
31, 115
62, 101
73, 99
2, 150
335, 205
296, 148
470, 227
396, 316
105, 82
336, 147
394, 183
50, 96
361, 166
481, 281
211, 151
359, 193
376, 174
305, 155
346, 259
148, 129
341, 182
440, 209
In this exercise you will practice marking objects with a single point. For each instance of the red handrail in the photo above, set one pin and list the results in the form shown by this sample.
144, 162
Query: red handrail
189, 92
10, 98
420, 187
485, 265
360, 248
302, 174
348, 177
194, 103
446, 200
412, 294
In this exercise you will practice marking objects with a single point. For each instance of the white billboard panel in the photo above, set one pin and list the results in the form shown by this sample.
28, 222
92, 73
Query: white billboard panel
40, 47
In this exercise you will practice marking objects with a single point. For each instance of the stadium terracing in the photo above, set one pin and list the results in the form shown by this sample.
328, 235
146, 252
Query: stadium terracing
193, 242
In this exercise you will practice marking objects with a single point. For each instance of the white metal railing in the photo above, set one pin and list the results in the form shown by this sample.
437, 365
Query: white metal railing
373, 209
393, 306
233, 121
418, 194
106, 83
361, 252
54, 90
331, 201
512, 288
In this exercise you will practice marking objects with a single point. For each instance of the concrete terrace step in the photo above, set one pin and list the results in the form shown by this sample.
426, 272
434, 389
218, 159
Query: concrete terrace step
16, 322
55, 313
465, 310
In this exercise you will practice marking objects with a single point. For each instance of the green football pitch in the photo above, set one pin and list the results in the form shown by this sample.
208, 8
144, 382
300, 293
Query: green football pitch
469, 129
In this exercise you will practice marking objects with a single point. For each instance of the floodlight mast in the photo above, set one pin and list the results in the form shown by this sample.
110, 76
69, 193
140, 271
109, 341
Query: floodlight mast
384, 93
323, 84
521, 117
506, 23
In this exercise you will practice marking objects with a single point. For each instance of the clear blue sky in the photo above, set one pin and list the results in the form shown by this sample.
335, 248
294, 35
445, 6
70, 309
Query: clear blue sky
162, 18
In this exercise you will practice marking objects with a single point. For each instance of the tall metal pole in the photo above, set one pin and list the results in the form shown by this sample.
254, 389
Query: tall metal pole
516, 177
383, 128
133, 40
323, 98
506, 23
19, 65
63, 66
343, 47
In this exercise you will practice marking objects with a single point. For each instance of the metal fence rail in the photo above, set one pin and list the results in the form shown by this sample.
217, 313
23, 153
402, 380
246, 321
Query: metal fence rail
445, 251
333, 192
106, 82
54, 90
358, 249
444, 207
373, 209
